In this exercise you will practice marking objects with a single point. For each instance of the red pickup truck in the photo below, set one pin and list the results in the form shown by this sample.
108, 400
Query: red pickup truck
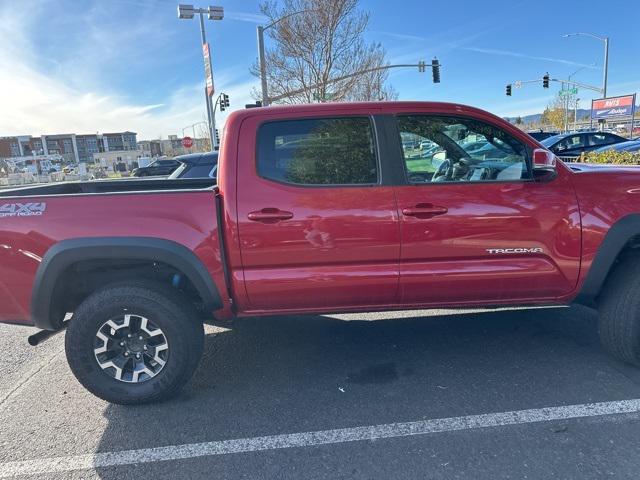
316, 209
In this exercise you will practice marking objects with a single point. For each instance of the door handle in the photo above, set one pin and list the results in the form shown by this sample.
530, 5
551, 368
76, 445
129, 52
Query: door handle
269, 215
424, 210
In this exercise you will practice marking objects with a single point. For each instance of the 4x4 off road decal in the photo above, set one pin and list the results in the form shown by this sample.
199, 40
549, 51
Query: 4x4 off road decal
22, 209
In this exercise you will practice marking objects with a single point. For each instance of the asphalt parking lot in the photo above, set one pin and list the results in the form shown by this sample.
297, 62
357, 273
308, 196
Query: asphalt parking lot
319, 397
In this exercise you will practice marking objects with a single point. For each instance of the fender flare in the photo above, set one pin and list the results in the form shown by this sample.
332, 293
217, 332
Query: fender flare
614, 241
67, 252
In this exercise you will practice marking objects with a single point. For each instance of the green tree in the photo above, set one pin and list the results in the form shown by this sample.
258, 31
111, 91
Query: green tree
554, 114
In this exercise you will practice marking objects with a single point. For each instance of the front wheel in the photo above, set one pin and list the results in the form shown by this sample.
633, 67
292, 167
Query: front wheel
619, 312
135, 343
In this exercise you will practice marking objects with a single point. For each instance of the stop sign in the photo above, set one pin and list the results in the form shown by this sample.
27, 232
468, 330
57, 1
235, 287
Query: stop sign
187, 142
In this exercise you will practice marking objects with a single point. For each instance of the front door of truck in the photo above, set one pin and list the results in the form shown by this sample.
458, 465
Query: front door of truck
475, 226
317, 229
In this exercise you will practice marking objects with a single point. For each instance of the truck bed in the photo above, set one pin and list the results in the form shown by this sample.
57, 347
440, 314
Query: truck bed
109, 186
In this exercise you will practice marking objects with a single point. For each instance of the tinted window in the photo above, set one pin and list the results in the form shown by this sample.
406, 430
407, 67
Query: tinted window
574, 141
451, 149
336, 151
198, 171
600, 139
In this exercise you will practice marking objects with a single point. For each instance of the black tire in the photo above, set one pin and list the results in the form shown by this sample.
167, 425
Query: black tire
164, 307
619, 312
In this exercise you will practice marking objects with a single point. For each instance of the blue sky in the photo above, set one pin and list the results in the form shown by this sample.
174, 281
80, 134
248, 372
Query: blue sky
105, 65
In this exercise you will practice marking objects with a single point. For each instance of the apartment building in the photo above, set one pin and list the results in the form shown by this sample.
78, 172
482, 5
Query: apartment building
72, 147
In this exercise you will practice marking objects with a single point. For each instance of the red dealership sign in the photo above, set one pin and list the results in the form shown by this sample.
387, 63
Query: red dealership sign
208, 71
613, 107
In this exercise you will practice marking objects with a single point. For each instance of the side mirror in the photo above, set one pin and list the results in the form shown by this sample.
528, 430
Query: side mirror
543, 160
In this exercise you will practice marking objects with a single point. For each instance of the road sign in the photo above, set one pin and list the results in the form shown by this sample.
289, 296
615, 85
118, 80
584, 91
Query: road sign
569, 91
208, 71
187, 142
517, 84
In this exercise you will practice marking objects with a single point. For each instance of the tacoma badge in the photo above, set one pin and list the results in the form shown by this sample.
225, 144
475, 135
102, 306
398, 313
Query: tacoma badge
495, 251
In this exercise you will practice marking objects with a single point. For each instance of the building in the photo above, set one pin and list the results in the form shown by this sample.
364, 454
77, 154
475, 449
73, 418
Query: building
127, 159
151, 148
73, 148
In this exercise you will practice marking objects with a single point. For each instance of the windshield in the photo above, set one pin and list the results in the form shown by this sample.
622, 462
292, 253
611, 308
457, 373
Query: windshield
548, 142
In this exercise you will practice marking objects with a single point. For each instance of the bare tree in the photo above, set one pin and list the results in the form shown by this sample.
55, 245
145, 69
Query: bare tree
323, 42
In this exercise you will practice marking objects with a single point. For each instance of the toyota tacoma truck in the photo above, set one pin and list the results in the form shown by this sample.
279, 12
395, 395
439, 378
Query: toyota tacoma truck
318, 209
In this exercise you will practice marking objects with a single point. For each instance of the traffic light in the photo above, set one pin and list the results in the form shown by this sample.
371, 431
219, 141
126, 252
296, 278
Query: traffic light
224, 101
217, 137
508, 90
545, 80
435, 66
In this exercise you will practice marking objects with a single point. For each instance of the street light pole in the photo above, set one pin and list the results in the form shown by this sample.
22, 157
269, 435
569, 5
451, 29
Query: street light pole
210, 118
605, 67
263, 66
187, 12
262, 57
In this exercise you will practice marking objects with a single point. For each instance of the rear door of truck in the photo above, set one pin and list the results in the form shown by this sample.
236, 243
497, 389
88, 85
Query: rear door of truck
317, 227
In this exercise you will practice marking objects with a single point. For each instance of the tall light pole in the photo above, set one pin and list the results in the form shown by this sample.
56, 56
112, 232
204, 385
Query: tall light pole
187, 12
567, 99
605, 67
262, 57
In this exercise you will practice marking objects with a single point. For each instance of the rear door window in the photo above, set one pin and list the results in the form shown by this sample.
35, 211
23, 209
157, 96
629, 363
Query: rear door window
198, 171
598, 139
324, 151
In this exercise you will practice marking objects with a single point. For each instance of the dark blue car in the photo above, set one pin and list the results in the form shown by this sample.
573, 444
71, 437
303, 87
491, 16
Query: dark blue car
573, 144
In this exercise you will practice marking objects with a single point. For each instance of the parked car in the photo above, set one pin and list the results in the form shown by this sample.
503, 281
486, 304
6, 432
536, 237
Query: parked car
573, 144
157, 168
628, 146
317, 209
196, 165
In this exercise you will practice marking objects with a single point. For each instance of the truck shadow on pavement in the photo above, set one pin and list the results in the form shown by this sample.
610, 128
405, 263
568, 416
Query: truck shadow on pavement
268, 376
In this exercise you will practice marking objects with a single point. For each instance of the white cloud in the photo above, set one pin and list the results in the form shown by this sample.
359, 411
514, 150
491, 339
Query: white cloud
505, 53
245, 17
36, 103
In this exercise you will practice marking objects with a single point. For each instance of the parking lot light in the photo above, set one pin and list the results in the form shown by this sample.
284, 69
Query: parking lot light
605, 66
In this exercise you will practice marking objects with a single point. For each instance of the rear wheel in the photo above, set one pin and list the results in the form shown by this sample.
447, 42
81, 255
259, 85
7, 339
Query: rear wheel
619, 312
134, 343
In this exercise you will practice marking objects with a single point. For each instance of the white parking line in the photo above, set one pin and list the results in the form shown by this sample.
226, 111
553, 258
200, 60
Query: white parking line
306, 439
